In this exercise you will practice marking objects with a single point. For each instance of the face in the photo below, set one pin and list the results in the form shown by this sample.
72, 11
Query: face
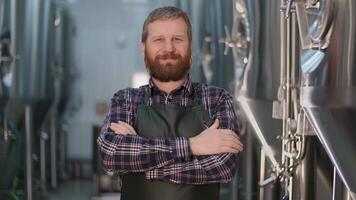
167, 50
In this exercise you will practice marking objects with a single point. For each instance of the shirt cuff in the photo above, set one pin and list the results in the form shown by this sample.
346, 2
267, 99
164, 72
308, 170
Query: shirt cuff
181, 148
154, 174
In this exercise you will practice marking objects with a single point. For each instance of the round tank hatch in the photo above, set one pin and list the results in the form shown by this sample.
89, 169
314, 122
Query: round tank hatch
315, 19
319, 14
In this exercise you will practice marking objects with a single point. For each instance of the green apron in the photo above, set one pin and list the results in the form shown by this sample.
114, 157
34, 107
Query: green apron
168, 121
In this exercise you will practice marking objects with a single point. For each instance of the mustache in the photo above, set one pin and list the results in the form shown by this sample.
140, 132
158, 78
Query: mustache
170, 55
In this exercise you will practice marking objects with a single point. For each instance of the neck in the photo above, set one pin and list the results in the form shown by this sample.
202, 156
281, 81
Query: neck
168, 87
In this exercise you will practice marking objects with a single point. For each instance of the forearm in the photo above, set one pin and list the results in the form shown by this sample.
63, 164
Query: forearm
132, 153
201, 170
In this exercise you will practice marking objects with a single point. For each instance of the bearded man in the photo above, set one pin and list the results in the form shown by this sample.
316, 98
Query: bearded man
172, 139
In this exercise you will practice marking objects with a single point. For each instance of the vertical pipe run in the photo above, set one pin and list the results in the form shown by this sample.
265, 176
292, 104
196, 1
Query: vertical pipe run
43, 160
47, 18
262, 173
28, 145
250, 184
285, 84
289, 62
282, 78
62, 152
306, 188
13, 32
338, 189
282, 71
53, 140
291, 83
288, 100
34, 49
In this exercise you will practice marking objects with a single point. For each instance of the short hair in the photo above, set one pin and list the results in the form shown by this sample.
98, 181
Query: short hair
163, 13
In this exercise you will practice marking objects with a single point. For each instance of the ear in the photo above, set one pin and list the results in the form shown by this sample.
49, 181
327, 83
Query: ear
142, 47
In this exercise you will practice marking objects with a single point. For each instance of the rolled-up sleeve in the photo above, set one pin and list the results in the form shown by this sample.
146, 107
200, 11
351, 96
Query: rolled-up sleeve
133, 153
205, 169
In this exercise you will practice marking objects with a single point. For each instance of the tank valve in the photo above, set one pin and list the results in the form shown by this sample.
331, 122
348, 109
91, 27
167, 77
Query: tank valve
269, 180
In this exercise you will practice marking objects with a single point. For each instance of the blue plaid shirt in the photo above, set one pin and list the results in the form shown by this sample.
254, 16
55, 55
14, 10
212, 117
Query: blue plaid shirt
167, 159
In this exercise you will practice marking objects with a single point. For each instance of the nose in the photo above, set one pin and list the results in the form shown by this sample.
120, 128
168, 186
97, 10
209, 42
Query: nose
169, 46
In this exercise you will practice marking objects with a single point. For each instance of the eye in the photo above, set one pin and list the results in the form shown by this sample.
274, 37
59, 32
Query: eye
178, 39
157, 40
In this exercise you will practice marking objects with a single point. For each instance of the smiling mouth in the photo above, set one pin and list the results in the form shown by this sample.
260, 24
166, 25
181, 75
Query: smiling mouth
169, 60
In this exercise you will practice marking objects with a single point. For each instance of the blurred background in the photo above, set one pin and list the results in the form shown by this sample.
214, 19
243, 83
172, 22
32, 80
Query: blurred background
288, 63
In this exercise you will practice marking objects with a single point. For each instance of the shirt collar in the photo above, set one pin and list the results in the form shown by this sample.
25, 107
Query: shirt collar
187, 85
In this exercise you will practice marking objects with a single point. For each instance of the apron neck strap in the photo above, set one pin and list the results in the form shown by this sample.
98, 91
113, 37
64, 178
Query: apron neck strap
147, 97
148, 101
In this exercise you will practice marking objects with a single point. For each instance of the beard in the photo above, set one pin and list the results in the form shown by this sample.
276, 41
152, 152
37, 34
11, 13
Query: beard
169, 71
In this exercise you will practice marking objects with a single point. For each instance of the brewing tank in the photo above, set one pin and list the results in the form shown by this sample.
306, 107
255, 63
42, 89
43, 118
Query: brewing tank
26, 78
328, 87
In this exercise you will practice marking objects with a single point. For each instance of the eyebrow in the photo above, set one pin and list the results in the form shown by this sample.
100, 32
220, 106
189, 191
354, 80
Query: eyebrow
178, 35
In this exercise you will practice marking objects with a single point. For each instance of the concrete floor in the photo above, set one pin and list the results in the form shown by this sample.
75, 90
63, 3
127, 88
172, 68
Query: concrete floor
72, 190
78, 190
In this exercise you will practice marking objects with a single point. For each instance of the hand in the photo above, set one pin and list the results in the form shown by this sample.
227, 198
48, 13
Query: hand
214, 141
122, 128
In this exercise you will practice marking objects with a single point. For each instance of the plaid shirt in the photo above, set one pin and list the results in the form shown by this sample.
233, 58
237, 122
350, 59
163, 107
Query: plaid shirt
167, 159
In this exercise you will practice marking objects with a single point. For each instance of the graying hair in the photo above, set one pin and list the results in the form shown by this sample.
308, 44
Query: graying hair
163, 13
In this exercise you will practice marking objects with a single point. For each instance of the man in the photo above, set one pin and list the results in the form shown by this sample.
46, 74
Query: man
171, 139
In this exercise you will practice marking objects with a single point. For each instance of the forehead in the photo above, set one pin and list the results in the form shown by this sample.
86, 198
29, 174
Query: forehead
167, 27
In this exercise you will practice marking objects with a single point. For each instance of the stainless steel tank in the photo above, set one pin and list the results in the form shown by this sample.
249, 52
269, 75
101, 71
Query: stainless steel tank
260, 81
255, 41
61, 88
10, 139
328, 92
28, 82
31, 71
213, 16
266, 46
5, 51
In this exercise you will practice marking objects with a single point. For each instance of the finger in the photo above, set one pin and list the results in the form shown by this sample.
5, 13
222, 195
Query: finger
230, 132
233, 144
233, 134
125, 127
232, 141
215, 125
119, 129
128, 126
122, 127
238, 142
233, 149
229, 149
238, 145
113, 127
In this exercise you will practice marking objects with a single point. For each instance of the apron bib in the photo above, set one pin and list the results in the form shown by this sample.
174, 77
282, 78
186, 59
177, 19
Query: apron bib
168, 121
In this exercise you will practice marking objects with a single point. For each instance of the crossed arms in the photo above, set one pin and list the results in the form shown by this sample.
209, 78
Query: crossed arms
206, 158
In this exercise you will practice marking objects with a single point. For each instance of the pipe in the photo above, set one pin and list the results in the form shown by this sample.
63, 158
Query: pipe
53, 140
28, 146
43, 160
14, 39
338, 186
262, 174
